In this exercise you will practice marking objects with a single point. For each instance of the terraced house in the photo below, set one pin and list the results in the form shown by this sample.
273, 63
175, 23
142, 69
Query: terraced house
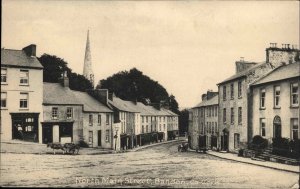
21, 95
275, 99
74, 116
204, 128
234, 95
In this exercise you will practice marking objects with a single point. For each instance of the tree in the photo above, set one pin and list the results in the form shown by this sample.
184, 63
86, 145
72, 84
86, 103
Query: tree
134, 85
183, 121
54, 67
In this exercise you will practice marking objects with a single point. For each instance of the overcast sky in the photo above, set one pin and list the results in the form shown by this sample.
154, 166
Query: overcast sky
187, 46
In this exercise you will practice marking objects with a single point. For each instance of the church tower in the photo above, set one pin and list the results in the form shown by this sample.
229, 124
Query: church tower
87, 69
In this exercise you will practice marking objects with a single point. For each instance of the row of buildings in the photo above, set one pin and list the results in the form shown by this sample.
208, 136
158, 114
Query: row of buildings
37, 111
259, 99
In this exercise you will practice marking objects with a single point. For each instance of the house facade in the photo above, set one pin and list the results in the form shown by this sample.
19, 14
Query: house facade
234, 126
21, 95
205, 122
74, 116
275, 99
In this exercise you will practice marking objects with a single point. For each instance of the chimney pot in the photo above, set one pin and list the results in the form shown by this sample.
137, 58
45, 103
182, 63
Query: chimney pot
242, 59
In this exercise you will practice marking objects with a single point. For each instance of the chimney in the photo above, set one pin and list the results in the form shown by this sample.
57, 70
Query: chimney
203, 97
211, 94
30, 50
100, 94
111, 96
64, 80
242, 59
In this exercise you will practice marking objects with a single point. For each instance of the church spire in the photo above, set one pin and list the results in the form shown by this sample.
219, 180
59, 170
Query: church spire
87, 69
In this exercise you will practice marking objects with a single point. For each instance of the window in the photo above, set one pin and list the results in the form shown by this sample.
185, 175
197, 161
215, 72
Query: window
262, 98
240, 89
224, 92
236, 140
107, 119
294, 94
295, 128
143, 129
276, 96
146, 119
216, 125
107, 135
147, 129
209, 127
240, 116
3, 99
232, 91
232, 116
216, 111
23, 100
99, 119
69, 113
159, 127
3, 75
90, 119
224, 115
263, 127
24, 75
91, 137
164, 127
54, 113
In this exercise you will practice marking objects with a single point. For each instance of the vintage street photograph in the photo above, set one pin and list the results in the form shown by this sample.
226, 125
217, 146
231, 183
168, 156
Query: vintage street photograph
150, 94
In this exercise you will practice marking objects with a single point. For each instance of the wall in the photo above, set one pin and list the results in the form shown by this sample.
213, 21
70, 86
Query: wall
13, 89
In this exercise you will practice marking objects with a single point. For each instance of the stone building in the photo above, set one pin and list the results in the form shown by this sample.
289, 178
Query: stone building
234, 96
74, 116
21, 95
204, 122
275, 104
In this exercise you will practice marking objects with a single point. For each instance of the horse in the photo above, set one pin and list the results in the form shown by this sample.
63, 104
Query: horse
56, 146
71, 148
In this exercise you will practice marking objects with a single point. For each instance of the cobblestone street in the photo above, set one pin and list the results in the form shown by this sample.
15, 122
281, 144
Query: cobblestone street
158, 166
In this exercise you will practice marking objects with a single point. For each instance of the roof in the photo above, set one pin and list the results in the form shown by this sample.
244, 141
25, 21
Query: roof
150, 110
55, 93
213, 101
242, 73
18, 58
123, 105
280, 73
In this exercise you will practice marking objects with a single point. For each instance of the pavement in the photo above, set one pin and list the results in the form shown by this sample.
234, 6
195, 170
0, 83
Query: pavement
268, 164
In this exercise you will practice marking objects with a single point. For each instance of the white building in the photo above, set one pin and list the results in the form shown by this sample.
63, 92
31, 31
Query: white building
21, 95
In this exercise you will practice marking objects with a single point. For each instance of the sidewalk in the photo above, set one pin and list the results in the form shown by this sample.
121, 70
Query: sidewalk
268, 164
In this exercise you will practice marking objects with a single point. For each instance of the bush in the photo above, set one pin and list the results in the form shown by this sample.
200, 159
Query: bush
285, 147
258, 143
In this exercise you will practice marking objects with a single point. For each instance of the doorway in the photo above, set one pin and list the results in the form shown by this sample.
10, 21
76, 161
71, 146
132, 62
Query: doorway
225, 140
277, 127
99, 138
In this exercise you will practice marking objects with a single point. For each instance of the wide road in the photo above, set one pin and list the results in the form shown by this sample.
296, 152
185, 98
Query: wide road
159, 166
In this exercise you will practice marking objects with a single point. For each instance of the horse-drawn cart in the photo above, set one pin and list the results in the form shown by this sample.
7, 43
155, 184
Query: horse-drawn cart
67, 148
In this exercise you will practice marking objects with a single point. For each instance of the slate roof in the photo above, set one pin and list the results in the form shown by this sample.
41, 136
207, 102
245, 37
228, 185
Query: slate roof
213, 101
281, 73
123, 105
243, 73
55, 93
150, 110
18, 58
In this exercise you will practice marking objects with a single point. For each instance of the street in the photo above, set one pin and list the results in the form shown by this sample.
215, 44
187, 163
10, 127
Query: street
158, 166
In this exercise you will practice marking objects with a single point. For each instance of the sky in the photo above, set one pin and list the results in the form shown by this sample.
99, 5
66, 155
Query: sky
187, 46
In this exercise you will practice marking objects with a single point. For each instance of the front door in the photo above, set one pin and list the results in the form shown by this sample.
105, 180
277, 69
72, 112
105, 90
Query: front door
47, 134
225, 140
99, 138
277, 127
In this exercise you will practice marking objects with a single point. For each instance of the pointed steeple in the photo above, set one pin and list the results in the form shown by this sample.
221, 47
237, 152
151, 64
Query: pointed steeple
87, 69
